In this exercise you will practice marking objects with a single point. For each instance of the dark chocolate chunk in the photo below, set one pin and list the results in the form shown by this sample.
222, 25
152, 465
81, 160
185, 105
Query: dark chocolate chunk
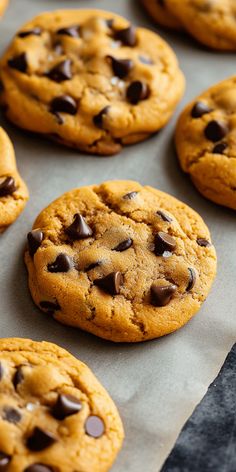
164, 242
18, 377
126, 244
73, 31
1, 371
64, 104
192, 279
111, 283
203, 242
33, 32
199, 109
127, 36
130, 195
164, 216
216, 130
7, 186
66, 405
35, 239
5, 460
92, 266
121, 67
50, 307
63, 263
219, 148
94, 426
161, 3
79, 228
162, 294
137, 91
98, 119
19, 62
61, 71
11, 415
40, 440
38, 468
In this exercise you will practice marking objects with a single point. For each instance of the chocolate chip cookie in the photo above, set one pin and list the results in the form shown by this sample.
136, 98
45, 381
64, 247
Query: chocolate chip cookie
3, 5
13, 191
125, 262
159, 12
54, 414
90, 80
205, 142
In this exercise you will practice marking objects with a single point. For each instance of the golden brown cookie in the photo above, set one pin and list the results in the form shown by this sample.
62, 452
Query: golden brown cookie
54, 414
125, 262
159, 12
13, 191
90, 80
206, 142
3, 6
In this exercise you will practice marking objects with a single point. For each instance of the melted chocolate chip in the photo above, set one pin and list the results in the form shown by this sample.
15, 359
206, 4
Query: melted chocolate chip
200, 109
35, 239
64, 104
111, 283
94, 426
7, 186
33, 32
1, 371
137, 91
164, 216
121, 67
18, 377
216, 130
130, 195
40, 440
164, 242
98, 119
161, 3
63, 263
61, 71
192, 279
219, 148
38, 468
162, 294
127, 36
92, 266
11, 415
66, 405
19, 62
72, 31
203, 242
50, 307
124, 245
4, 461
79, 228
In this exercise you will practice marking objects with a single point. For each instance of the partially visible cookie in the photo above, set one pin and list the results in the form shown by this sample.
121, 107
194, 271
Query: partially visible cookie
125, 262
90, 80
54, 414
3, 5
159, 12
13, 191
206, 142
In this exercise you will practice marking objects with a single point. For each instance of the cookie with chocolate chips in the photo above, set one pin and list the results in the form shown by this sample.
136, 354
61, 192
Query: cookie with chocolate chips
13, 191
54, 414
205, 142
90, 80
124, 262
159, 12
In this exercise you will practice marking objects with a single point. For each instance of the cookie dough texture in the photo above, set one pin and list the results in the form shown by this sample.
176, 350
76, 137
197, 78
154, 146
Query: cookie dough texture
3, 6
13, 191
54, 414
90, 80
158, 11
124, 262
205, 142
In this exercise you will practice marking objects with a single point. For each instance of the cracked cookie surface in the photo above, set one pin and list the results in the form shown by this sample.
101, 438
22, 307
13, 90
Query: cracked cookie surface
90, 80
13, 191
54, 414
124, 262
205, 142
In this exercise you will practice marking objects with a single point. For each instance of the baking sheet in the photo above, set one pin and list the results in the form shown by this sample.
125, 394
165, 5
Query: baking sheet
157, 384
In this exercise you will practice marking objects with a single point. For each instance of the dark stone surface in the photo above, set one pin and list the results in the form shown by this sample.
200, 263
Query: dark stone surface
207, 442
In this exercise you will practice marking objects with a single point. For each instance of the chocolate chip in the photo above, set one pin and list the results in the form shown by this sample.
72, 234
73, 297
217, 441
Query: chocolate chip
219, 148
66, 405
121, 67
130, 195
19, 62
18, 377
164, 216
111, 283
35, 239
92, 266
64, 104
127, 36
61, 71
94, 426
4, 461
216, 130
50, 307
33, 32
203, 242
1, 371
145, 60
161, 3
63, 263
192, 279
11, 415
124, 245
162, 294
40, 440
137, 91
110, 22
79, 228
199, 109
38, 468
72, 31
164, 242
7, 186
98, 119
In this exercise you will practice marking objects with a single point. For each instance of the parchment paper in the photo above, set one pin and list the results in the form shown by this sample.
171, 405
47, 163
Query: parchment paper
157, 384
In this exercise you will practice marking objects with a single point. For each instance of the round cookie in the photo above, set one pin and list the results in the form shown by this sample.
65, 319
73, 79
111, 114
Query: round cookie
3, 6
54, 414
205, 142
90, 80
13, 191
212, 22
124, 262
158, 11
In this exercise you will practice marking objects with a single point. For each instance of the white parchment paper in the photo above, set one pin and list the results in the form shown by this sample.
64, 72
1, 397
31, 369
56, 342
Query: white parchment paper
156, 385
